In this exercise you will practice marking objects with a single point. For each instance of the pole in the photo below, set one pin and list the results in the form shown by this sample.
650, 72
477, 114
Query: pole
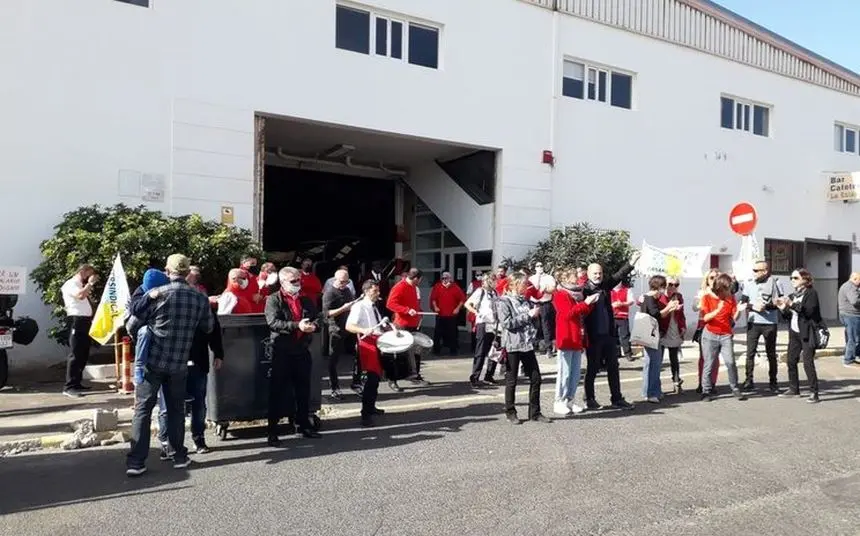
117, 355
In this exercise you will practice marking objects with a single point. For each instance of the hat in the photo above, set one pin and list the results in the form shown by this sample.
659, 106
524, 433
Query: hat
153, 278
178, 264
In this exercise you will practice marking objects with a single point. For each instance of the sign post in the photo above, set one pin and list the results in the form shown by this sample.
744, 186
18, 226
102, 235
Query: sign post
743, 219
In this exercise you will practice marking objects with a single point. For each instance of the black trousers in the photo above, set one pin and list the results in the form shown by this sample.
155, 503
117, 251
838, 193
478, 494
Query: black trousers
754, 332
530, 365
545, 323
674, 362
622, 326
483, 343
602, 351
446, 334
79, 344
290, 390
416, 354
800, 350
369, 394
337, 347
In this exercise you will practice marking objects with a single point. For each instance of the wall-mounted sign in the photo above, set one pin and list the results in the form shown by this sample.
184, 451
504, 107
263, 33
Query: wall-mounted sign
13, 280
227, 215
842, 186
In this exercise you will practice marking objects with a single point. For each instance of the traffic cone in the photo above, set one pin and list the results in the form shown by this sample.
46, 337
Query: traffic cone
126, 385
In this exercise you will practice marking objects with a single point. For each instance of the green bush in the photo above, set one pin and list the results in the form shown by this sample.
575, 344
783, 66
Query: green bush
144, 239
576, 245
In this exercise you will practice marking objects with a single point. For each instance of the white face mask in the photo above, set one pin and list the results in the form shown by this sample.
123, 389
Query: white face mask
271, 279
539, 270
291, 289
244, 284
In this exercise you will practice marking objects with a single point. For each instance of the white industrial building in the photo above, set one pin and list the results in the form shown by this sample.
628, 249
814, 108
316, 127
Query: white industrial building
659, 115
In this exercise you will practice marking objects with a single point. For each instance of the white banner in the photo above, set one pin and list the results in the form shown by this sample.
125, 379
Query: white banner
674, 262
114, 302
742, 266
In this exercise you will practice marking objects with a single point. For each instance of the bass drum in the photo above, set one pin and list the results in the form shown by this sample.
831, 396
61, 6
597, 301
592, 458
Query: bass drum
397, 365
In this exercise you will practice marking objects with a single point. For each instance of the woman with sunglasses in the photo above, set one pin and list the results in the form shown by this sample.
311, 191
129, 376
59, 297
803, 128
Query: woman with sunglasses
803, 310
719, 314
673, 327
704, 289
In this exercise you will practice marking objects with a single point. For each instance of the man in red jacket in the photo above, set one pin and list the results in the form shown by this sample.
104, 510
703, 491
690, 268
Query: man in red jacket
404, 303
446, 299
252, 291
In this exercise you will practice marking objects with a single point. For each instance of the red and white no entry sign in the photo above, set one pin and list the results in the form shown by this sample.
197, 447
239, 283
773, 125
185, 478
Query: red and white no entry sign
743, 219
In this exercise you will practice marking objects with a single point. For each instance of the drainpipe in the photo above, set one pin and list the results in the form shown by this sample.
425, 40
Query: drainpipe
553, 106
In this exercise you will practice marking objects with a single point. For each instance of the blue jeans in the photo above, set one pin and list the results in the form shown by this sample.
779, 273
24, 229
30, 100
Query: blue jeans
852, 337
141, 354
145, 398
195, 390
713, 348
651, 365
569, 371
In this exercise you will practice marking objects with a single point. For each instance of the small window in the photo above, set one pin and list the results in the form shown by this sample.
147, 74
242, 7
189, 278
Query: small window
141, 3
727, 115
423, 46
761, 120
352, 30
381, 36
397, 40
573, 82
601, 86
592, 84
839, 138
850, 141
622, 91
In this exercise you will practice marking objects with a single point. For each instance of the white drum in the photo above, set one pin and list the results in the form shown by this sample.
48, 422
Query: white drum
422, 341
395, 342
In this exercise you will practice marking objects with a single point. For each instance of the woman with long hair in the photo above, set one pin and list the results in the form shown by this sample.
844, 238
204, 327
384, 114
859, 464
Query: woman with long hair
651, 305
519, 336
481, 304
673, 328
719, 313
704, 289
570, 308
803, 310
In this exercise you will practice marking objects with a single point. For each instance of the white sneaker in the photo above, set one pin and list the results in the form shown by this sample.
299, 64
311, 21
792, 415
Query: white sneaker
560, 408
653, 400
575, 408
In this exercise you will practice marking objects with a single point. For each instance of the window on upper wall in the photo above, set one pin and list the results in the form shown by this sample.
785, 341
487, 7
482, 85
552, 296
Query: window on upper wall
737, 114
381, 34
846, 138
141, 3
600, 84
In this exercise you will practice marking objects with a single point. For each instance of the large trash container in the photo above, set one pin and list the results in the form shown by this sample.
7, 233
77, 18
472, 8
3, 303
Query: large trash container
239, 392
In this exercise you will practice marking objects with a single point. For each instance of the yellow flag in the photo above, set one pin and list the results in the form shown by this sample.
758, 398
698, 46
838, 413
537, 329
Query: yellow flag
674, 266
114, 302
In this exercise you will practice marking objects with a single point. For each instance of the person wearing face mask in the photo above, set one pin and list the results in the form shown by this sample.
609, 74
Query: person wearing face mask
311, 285
267, 281
234, 301
251, 291
446, 299
803, 310
600, 329
543, 283
337, 301
291, 319
759, 296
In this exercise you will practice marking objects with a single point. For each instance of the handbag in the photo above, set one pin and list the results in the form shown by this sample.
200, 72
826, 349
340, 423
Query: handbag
822, 336
697, 335
646, 331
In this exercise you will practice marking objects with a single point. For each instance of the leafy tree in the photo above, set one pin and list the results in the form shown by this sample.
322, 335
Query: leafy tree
144, 239
576, 245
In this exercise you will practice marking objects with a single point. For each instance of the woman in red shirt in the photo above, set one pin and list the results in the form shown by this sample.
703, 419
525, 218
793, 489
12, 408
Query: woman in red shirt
705, 288
719, 313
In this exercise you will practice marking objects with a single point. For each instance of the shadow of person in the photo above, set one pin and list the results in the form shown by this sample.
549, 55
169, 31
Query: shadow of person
43, 480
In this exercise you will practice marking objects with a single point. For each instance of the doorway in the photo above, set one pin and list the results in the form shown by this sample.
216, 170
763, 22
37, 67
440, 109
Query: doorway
456, 261
829, 262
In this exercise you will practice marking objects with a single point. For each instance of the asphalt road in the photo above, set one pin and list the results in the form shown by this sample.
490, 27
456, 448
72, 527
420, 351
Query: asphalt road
448, 463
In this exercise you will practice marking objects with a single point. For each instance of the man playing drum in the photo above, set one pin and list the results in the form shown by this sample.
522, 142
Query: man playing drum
364, 320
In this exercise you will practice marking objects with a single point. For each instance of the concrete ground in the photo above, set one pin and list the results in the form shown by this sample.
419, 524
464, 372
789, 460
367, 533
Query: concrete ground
444, 461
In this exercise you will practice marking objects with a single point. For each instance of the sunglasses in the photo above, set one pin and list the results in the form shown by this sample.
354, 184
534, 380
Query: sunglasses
796, 278
673, 285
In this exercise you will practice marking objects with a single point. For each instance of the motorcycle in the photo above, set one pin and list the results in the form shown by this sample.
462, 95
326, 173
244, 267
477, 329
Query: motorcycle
21, 331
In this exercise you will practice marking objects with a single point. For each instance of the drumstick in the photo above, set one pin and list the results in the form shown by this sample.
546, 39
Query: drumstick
426, 314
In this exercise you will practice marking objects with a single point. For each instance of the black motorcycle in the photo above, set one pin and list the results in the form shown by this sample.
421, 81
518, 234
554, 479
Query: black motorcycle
21, 331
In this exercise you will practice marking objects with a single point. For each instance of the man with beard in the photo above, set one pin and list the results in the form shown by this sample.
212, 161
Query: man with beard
600, 330
759, 296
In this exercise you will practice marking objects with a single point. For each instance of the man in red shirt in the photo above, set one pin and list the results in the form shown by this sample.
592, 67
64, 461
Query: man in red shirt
312, 287
501, 280
252, 291
403, 302
446, 299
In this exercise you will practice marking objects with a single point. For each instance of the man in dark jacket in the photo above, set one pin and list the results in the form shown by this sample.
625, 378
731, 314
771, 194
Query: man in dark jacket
601, 334
292, 318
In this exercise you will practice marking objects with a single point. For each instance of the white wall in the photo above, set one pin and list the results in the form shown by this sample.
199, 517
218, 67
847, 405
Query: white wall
652, 169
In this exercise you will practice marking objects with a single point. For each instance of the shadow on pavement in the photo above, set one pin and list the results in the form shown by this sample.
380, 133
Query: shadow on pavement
43, 480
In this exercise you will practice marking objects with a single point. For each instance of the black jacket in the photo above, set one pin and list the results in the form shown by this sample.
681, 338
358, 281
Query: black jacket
285, 329
808, 314
603, 307
204, 342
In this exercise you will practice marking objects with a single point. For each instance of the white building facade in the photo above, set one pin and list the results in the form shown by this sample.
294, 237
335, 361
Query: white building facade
660, 115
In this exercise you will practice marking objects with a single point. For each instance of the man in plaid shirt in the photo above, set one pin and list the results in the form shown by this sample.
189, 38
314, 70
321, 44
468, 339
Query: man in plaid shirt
176, 311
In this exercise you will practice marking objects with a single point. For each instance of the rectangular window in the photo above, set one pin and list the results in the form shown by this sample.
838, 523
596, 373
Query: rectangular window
581, 81
381, 36
423, 46
573, 81
846, 139
739, 115
141, 3
352, 30
397, 40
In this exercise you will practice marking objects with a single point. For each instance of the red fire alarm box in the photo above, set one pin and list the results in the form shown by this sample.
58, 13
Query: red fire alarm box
548, 158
